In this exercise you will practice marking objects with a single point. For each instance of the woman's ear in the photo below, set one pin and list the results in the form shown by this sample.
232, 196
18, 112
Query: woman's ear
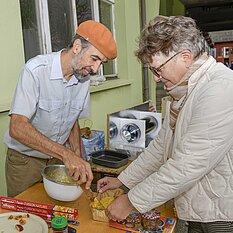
187, 57
77, 46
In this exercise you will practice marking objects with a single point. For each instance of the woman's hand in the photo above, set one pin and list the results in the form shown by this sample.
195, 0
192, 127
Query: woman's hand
120, 208
108, 183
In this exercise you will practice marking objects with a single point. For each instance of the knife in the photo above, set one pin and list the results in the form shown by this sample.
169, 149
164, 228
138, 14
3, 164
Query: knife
88, 192
91, 196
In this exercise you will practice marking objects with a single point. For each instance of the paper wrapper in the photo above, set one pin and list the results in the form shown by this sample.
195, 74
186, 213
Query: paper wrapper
99, 214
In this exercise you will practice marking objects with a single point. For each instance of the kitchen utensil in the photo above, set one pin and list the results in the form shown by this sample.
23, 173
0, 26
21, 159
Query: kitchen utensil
59, 185
88, 192
109, 158
91, 195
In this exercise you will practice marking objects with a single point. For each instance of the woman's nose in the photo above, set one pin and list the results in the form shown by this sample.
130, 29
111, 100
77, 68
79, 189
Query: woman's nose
157, 78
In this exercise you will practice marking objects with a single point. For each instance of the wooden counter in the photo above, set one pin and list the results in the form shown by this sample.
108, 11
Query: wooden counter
87, 225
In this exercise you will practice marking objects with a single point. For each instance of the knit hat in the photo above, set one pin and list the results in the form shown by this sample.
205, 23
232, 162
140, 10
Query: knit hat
99, 36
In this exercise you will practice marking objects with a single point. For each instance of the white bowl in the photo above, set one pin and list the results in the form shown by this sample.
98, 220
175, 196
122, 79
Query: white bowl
58, 185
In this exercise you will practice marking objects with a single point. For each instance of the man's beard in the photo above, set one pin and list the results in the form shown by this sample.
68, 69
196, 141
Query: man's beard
80, 72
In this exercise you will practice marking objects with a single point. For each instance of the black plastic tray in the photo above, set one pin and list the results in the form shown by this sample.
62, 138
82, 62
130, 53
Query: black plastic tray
109, 158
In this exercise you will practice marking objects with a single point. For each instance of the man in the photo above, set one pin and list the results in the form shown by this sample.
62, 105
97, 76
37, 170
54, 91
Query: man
191, 160
52, 93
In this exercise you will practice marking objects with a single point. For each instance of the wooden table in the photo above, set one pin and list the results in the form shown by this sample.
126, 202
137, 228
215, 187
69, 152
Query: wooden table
87, 225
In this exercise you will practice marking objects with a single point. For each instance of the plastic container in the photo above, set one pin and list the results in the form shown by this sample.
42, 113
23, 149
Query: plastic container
109, 158
59, 225
150, 220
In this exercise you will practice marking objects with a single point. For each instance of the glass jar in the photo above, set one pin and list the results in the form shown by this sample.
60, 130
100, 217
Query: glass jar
59, 225
150, 220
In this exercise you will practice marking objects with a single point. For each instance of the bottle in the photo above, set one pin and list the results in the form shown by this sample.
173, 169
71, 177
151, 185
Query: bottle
59, 225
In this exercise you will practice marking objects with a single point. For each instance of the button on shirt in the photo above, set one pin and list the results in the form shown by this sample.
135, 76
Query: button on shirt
51, 103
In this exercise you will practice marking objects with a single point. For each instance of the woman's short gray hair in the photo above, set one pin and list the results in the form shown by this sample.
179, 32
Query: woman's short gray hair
169, 34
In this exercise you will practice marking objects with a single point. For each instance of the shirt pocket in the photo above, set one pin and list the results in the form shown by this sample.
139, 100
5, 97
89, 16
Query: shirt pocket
48, 114
50, 105
76, 107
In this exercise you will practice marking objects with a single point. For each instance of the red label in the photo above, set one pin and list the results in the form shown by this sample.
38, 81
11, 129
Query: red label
47, 210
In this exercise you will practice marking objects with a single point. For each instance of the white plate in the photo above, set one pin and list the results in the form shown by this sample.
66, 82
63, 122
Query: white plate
34, 224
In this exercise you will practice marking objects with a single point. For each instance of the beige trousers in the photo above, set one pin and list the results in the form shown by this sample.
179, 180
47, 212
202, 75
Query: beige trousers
22, 171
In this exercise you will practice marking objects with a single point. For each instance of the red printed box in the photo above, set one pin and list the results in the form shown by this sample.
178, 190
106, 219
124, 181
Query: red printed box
26, 203
46, 211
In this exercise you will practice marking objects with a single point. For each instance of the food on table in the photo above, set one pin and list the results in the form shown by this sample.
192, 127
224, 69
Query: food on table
11, 217
21, 219
19, 227
104, 202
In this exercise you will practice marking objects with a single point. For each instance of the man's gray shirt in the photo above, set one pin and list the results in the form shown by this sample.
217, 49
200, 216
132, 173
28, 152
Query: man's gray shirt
51, 103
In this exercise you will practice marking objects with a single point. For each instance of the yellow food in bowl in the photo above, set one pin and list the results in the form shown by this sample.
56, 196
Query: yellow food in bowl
59, 175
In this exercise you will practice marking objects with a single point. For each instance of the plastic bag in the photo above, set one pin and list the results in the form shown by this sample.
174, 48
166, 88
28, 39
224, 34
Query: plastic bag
95, 143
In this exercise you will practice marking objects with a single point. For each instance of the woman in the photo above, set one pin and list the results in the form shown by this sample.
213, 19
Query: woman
191, 160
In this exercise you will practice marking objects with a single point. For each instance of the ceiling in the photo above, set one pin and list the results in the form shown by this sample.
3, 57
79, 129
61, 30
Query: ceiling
213, 17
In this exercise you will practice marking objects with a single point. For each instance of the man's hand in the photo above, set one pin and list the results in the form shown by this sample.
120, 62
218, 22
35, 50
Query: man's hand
120, 208
78, 169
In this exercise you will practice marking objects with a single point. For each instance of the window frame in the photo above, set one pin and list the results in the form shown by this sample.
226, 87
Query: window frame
96, 17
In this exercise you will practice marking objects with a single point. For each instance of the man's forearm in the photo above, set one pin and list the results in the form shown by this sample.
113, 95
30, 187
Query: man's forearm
22, 130
75, 139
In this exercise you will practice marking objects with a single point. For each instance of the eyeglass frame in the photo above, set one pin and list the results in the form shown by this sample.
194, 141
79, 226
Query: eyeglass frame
155, 71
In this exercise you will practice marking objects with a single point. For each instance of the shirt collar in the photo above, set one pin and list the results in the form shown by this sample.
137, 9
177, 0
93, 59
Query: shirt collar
73, 80
56, 70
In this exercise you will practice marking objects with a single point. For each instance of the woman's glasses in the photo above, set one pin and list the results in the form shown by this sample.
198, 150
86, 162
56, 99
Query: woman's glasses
155, 71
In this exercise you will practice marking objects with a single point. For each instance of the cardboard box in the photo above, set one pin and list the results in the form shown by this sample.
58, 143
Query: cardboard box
132, 129
46, 211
